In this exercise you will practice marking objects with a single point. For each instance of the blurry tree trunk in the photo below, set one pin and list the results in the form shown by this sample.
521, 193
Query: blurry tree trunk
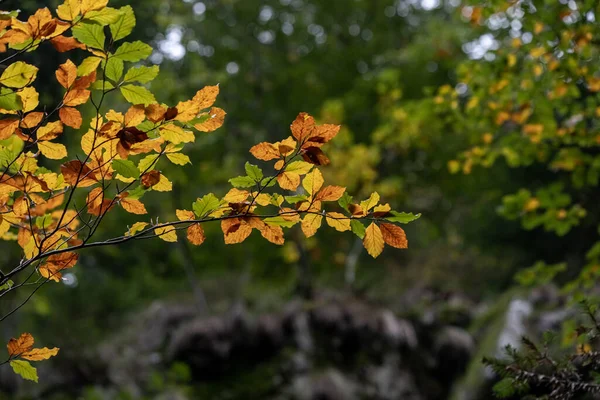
351, 262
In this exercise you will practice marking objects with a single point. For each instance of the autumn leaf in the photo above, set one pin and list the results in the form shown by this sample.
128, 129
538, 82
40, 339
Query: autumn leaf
195, 234
8, 127
206, 96
64, 43
133, 206
373, 240
66, 74
215, 119
166, 233
71, 117
302, 127
265, 151
311, 223
235, 230
40, 354
394, 236
18, 75
338, 221
330, 193
315, 155
313, 182
21, 345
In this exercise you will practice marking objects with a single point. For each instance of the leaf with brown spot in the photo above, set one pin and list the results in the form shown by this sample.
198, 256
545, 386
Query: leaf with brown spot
315, 155
150, 178
216, 117
156, 112
21, 345
77, 174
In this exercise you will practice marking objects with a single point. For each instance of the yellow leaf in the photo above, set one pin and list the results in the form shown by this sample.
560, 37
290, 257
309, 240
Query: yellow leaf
176, 134
50, 131
54, 151
338, 221
288, 180
236, 196
185, 215
215, 120
69, 10
262, 199
134, 116
18, 75
166, 233
133, 206
135, 228
187, 110
30, 98
163, 185
92, 5
195, 234
313, 181
311, 223
373, 240
178, 158
370, 202
40, 354
394, 236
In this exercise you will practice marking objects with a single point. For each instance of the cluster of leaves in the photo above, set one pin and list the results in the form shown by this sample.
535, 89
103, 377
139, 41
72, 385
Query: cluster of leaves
21, 351
539, 372
52, 214
534, 104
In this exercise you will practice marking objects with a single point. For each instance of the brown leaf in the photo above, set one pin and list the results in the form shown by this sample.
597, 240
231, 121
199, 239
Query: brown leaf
195, 234
394, 236
71, 117
171, 113
330, 193
21, 345
265, 151
150, 178
63, 43
302, 127
235, 230
76, 97
66, 74
8, 127
157, 112
77, 173
315, 155
215, 120
32, 120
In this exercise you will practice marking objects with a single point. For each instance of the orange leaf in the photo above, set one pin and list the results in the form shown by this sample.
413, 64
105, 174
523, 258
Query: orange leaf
330, 193
156, 112
265, 151
302, 127
186, 110
322, 134
71, 117
236, 196
134, 116
66, 74
63, 43
21, 345
150, 178
195, 234
206, 96
32, 120
133, 206
76, 97
394, 236
77, 173
215, 120
50, 131
373, 240
8, 127
235, 230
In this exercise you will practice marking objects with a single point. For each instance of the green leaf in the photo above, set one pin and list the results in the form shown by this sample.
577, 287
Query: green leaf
126, 168
504, 388
242, 182
89, 65
44, 221
178, 158
358, 228
18, 75
9, 14
268, 181
90, 34
7, 285
137, 95
114, 69
26, 370
102, 85
137, 193
9, 100
253, 172
105, 16
147, 163
124, 25
141, 74
280, 221
345, 201
402, 217
206, 205
133, 51
295, 199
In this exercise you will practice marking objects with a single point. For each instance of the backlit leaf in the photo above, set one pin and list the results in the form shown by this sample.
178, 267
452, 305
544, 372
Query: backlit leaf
313, 181
178, 158
141, 74
24, 369
373, 240
124, 25
394, 236
54, 151
40, 354
253, 171
137, 94
133, 206
357, 228
338, 221
18, 75
402, 217
133, 51
70, 116
311, 223
20, 345
195, 234
90, 34
126, 168
206, 205
166, 233
88, 65
114, 69
242, 182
